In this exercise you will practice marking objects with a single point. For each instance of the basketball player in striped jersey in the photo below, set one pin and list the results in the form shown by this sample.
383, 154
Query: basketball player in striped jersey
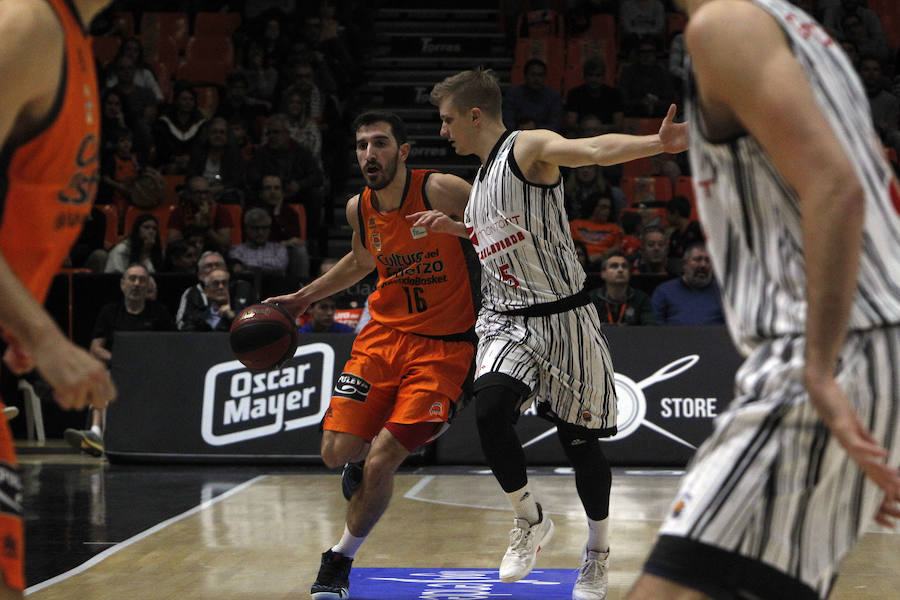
411, 361
801, 210
50, 127
539, 333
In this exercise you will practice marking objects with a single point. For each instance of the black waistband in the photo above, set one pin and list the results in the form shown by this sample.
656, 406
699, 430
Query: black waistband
465, 336
551, 308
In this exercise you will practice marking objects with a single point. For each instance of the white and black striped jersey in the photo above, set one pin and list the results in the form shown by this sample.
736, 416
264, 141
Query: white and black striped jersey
752, 217
521, 235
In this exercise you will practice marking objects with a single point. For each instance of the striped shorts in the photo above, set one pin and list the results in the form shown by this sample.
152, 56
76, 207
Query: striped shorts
771, 488
562, 358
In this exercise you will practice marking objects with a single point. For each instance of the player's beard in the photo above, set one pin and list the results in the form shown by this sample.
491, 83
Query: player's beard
384, 176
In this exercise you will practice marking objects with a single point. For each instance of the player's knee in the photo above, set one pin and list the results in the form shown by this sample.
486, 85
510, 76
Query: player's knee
340, 448
495, 407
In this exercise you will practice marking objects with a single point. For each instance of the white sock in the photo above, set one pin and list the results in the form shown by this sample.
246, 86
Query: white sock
96, 429
598, 535
524, 504
349, 544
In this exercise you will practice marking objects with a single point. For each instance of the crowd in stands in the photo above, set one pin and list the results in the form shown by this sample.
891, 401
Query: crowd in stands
593, 66
225, 129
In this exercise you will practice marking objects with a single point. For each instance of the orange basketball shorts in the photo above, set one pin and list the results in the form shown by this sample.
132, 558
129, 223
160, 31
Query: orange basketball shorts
12, 531
396, 377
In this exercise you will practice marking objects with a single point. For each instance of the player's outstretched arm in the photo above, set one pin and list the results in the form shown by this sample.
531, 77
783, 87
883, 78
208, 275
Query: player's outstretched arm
747, 75
355, 265
550, 148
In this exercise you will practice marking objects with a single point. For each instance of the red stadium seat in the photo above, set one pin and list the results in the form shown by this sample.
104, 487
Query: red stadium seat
579, 50
210, 48
216, 23
166, 24
549, 50
105, 47
172, 183
540, 23
237, 215
111, 235
203, 71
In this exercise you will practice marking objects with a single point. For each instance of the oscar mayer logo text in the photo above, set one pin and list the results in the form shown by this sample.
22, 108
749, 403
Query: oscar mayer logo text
239, 405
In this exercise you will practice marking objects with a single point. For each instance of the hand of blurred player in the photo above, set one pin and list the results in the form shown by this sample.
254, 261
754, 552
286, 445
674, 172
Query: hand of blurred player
436, 221
78, 379
838, 414
674, 136
888, 512
292, 303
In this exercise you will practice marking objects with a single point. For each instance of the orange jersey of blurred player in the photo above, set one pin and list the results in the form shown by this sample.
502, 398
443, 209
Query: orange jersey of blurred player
424, 282
49, 180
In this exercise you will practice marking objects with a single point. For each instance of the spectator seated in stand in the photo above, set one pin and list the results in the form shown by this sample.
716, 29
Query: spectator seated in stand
142, 246
217, 158
584, 185
177, 130
219, 311
134, 312
321, 318
181, 257
301, 177
533, 100
194, 300
594, 97
617, 302
683, 232
646, 85
257, 252
693, 298
599, 232
198, 208
286, 226
653, 257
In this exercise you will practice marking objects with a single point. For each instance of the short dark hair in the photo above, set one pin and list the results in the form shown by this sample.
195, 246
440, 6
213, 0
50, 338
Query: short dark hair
398, 128
534, 62
652, 229
609, 256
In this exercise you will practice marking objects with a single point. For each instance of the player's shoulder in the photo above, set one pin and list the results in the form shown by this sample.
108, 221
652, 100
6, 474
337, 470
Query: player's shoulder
31, 40
728, 20
352, 211
25, 25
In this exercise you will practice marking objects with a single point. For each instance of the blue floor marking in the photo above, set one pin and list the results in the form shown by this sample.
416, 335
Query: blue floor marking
458, 584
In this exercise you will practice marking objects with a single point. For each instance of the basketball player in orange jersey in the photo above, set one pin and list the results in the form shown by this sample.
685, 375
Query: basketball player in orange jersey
409, 363
50, 126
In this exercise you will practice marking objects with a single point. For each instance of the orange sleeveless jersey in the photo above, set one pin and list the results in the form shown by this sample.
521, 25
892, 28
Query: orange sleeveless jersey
50, 180
424, 283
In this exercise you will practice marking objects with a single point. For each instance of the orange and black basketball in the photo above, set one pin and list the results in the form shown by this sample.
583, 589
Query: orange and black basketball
263, 336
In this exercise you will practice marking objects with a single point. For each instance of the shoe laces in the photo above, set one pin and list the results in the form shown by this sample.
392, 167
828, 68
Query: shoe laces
521, 539
592, 570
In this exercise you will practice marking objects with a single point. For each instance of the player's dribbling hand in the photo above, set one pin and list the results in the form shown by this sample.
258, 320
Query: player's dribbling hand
674, 136
17, 359
838, 414
78, 379
436, 221
292, 303
888, 511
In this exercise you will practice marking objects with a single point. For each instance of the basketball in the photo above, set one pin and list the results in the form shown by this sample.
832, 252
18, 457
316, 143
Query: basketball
263, 336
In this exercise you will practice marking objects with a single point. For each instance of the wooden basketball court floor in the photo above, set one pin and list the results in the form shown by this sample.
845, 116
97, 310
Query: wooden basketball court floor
112, 532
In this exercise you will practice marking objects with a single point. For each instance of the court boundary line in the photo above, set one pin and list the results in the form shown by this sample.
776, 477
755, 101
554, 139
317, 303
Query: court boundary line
411, 494
97, 558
